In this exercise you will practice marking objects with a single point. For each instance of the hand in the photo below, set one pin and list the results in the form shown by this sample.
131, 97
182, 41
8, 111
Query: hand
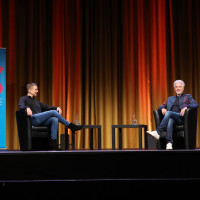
182, 113
59, 110
163, 111
29, 112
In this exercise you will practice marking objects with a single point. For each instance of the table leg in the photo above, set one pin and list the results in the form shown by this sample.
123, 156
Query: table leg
113, 137
146, 138
140, 137
91, 138
99, 138
73, 140
66, 139
120, 138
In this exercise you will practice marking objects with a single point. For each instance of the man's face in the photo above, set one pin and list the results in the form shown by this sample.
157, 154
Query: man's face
33, 91
179, 89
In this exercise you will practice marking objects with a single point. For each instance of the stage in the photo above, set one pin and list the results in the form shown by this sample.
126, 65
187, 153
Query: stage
111, 172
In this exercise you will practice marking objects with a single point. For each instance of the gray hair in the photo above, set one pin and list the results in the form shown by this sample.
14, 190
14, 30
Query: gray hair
30, 85
179, 81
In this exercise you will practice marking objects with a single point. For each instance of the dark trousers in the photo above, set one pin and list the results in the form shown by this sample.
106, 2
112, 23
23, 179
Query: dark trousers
49, 118
169, 120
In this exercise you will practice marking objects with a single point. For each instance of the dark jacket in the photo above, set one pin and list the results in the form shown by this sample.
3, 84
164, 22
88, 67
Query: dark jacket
186, 100
35, 105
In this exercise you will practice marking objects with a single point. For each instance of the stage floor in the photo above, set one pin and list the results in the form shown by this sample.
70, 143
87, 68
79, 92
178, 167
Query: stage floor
99, 174
99, 165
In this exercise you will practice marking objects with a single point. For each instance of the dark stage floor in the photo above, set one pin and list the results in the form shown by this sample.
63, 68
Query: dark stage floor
98, 171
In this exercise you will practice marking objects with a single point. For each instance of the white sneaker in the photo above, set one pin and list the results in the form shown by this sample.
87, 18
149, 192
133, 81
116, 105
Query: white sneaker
154, 134
169, 146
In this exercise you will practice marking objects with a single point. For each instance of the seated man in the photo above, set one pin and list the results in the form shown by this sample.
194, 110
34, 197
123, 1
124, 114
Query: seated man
173, 110
44, 115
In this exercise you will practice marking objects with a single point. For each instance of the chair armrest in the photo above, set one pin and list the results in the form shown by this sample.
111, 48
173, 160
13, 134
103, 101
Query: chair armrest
158, 116
24, 130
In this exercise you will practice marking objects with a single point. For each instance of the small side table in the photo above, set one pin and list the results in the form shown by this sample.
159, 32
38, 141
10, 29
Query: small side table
139, 126
91, 127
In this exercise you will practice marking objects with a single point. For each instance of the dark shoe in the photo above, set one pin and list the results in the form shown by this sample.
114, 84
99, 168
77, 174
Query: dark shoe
75, 127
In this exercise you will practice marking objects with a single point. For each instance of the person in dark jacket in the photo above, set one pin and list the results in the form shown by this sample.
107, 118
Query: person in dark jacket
42, 114
173, 110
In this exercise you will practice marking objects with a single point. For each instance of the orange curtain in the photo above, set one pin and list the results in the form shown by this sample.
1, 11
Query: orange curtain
101, 61
67, 59
127, 63
144, 60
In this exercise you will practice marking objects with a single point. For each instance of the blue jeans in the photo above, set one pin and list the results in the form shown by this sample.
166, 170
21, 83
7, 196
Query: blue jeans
49, 118
170, 118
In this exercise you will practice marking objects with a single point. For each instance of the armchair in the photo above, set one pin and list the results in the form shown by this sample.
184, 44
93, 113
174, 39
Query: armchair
30, 137
184, 136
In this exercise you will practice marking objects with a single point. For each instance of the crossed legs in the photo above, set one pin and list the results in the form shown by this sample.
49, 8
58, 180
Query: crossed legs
169, 120
49, 118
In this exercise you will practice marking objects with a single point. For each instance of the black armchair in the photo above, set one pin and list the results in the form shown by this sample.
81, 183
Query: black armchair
184, 136
30, 137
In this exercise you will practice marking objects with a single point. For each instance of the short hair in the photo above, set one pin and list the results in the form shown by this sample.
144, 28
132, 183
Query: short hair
179, 81
30, 85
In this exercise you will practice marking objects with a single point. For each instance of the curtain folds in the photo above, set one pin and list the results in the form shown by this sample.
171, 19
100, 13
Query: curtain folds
67, 59
101, 61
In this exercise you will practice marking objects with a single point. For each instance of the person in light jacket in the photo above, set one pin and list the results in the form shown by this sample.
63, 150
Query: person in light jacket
173, 110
